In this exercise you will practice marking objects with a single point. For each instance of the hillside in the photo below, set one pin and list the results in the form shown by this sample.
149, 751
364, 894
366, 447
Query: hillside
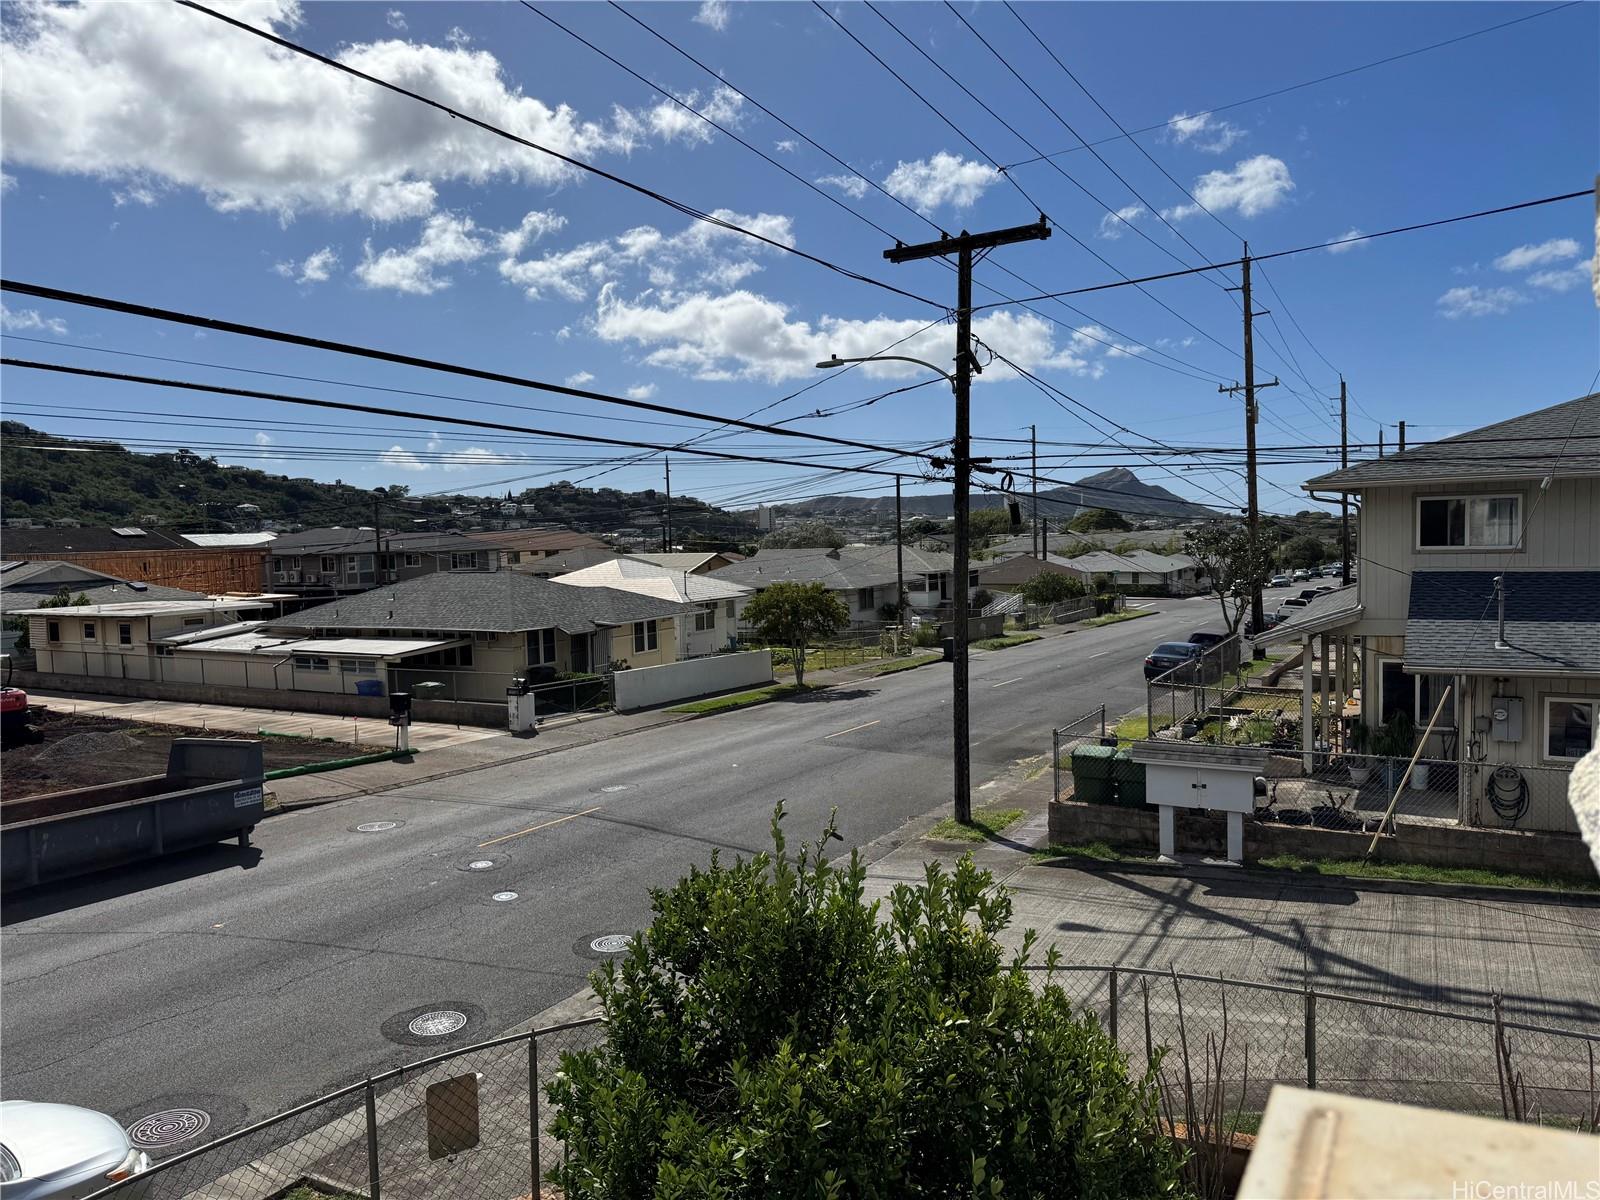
101, 484
1117, 488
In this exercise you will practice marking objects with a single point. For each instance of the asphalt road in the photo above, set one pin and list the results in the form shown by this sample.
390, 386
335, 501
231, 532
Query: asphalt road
243, 982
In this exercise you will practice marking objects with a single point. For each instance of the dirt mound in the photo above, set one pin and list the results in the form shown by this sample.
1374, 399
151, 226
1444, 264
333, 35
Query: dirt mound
87, 745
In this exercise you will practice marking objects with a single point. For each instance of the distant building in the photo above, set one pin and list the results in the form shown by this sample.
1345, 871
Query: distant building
318, 563
140, 555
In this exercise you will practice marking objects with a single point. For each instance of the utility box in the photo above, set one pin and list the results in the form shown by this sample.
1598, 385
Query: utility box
1218, 778
520, 703
1505, 718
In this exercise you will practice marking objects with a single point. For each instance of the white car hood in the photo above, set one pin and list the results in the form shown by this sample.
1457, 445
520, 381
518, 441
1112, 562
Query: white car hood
50, 1138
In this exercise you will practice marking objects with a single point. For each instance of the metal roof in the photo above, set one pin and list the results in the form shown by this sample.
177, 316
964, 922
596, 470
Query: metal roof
1524, 447
1552, 623
1329, 611
269, 643
648, 579
156, 608
247, 540
27, 585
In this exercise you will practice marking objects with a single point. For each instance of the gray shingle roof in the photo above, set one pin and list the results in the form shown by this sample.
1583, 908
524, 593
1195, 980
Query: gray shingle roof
360, 541
26, 585
481, 602
1520, 448
851, 567
89, 539
1329, 611
1552, 622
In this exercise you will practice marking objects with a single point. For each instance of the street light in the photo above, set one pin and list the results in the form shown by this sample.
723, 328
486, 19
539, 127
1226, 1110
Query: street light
836, 361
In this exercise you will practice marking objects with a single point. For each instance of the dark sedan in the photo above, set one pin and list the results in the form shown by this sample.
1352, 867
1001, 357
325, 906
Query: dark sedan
1168, 655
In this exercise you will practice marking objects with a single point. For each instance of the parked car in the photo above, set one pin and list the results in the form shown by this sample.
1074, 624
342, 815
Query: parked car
1279, 581
1208, 640
1168, 655
1310, 594
62, 1152
1302, 575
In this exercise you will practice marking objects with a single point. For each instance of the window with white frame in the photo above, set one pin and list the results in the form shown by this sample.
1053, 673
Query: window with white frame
732, 610
330, 564
644, 636
310, 662
52, 631
161, 651
413, 560
89, 631
541, 647
1414, 695
358, 666
466, 561
864, 599
1468, 522
1568, 727
705, 618
124, 633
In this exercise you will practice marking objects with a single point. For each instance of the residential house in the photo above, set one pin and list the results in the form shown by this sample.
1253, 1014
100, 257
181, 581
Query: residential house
258, 538
1479, 572
865, 577
27, 585
139, 555
128, 639
708, 607
566, 561
522, 546
317, 563
1178, 573
696, 562
1008, 574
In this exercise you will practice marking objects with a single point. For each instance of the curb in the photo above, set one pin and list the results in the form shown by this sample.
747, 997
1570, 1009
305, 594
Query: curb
337, 764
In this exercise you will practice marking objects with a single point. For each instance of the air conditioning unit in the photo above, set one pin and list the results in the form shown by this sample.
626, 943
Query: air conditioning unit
278, 577
294, 576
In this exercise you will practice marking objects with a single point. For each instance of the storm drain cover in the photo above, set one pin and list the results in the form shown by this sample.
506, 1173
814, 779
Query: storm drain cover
440, 1023
611, 943
503, 897
376, 826
617, 787
480, 864
168, 1128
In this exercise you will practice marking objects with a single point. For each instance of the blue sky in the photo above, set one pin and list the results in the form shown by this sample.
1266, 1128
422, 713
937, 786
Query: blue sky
157, 155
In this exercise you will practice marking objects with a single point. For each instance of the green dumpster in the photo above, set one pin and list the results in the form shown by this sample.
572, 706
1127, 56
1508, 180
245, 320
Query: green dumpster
1091, 774
1129, 779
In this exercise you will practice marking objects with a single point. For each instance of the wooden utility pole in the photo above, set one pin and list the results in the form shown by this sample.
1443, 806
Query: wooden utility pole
1041, 541
666, 517
899, 560
1258, 619
961, 453
377, 538
1344, 497
1402, 446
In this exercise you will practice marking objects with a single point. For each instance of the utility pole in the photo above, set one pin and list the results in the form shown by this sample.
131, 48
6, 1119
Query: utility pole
666, 517
961, 452
1041, 542
1402, 447
899, 561
1344, 497
377, 538
1258, 619
1380, 441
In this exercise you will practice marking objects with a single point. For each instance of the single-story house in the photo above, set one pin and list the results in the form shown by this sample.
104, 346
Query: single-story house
696, 562
26, 585
709, 608
1010, 573
863, 576
131, 639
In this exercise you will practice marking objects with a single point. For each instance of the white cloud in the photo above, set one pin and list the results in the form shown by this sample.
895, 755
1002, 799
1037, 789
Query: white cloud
154, 95
1255, 185
262, 439
396, 19
1561, 279
579, 378
141, 193
850, 185
1342, 244
640, 391
713, 14
730, 274
928, 183
576, 272
786, 146
672, 122
401, 459
316, 268
446, 240
1479, 302
1112, 224
458, 37
534, 227
1204, 132
742, 335
7, 181
476, 456
1554, 251
24, 320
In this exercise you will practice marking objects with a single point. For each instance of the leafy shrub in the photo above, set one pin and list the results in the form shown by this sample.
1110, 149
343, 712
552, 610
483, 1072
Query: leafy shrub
925, 635
769, 1037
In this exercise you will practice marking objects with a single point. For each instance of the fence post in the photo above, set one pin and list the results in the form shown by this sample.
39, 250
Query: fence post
533, 1108
1103, 720
374, 1181
1113, 1012
1055, 764
1311, 1039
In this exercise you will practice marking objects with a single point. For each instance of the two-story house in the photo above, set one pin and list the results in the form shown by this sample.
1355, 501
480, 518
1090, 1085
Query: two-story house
1479, 570
318, 563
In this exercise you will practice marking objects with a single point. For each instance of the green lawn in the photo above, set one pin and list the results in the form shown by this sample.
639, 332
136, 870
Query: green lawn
904, 664
1134, 727
1011, 639
1127, 614
986, 822
741, 699
1101, 850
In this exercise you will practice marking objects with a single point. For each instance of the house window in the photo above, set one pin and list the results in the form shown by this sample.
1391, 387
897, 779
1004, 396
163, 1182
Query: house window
972, 579
358, 666
88, 631
1414, 695
52, 631
516, 556
413, 560
310, 662
1468, 522
705, 618
466, 561
864, 599
330, 564
644, 636
482, 637
732, 611
124, 633
541, 647
161, 651
193, 622
1568, 728
352, 563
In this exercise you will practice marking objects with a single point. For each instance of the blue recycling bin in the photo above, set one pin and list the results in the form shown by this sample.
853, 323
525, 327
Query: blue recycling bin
369, 687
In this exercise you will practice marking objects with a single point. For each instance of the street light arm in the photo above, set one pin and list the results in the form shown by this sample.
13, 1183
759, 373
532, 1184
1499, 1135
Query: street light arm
836, 361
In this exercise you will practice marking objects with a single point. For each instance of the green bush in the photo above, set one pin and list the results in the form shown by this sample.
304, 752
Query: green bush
925, 635
768, 1036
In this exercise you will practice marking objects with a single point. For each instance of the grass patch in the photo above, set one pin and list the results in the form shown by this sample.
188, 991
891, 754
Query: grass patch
1011, 639
1127, 614
986, 823
1103, 851
1135, 727
741, 699
305, 1191
1421, 873
904, 664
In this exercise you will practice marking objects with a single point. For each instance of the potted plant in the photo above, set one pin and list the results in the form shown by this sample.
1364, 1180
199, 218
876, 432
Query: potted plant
1395, 739
1358, 740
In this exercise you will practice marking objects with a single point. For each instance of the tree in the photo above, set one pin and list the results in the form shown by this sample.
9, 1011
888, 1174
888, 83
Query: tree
1093, 519
989, 522
795, 615
770, 1036
803, 534
1051, 587
1230, 565
918, 528
1302, 551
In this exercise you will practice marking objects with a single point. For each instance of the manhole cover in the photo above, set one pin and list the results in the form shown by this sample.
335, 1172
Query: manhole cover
440, 1023
480, 864
503, 897
168, 1128
617, 787
376, 826
611, 943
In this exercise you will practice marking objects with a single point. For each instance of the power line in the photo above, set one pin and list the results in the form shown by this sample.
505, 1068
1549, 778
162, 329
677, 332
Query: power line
1133, 134
678, 205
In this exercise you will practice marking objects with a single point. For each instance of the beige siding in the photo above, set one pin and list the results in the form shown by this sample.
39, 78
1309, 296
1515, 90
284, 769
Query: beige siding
1546, 778
1563, 533
666, 645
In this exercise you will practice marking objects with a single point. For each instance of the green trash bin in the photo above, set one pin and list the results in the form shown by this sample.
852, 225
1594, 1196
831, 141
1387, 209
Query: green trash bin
1091, 774
1129, 779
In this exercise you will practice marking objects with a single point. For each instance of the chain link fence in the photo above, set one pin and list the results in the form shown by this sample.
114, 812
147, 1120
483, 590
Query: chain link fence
1088, 730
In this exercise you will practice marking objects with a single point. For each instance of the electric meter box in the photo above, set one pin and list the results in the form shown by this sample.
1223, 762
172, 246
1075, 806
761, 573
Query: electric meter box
1505, 717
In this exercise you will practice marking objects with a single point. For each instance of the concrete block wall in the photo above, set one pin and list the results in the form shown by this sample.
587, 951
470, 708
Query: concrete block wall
644, 687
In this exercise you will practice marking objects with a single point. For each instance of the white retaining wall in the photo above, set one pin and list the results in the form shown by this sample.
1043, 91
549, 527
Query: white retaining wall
646, 687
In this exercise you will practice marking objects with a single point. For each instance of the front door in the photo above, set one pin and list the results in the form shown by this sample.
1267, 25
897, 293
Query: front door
580, 651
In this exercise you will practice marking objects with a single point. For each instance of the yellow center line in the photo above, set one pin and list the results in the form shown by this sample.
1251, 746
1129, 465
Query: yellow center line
536, 828
852, 729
